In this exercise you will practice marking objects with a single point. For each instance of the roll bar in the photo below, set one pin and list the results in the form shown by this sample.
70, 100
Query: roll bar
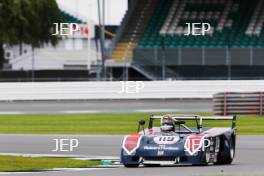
199, 119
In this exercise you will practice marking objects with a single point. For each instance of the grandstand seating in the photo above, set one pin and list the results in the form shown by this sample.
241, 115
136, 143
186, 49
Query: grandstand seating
162, 24
134, 30
235, 23
256, 22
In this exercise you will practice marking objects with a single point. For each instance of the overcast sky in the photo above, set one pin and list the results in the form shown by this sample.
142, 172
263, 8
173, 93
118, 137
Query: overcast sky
115, 9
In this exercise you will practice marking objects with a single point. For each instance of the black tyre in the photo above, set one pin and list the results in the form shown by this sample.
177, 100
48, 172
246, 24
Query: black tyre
227, 154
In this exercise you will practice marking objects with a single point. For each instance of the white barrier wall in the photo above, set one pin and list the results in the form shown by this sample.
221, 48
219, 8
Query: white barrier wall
113, 90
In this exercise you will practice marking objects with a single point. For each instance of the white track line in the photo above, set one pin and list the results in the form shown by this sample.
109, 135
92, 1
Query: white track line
79, 112
11, 113
170, 110
14, 173
55, 169
78, 169
97, 111
55, 112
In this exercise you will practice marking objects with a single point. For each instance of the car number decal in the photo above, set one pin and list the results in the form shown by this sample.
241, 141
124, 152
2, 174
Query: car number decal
165, 139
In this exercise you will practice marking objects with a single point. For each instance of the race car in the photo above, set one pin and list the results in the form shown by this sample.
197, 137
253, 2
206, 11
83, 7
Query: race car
169, 141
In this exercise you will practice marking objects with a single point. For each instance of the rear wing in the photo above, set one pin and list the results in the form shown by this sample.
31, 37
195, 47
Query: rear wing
199, 119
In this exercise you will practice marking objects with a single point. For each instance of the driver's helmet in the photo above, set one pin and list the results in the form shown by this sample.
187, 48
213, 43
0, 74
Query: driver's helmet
167, 125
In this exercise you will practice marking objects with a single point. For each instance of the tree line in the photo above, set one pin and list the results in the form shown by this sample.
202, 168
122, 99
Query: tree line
29, 22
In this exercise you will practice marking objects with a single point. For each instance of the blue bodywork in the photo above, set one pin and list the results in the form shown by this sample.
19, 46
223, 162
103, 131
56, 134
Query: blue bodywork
159, 147
149, 150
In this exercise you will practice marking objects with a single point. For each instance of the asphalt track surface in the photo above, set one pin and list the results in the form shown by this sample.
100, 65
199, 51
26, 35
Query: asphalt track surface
105, 106
248, 161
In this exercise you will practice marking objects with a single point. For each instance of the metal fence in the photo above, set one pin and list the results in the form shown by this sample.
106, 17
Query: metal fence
231, 103
200, 56
232, 62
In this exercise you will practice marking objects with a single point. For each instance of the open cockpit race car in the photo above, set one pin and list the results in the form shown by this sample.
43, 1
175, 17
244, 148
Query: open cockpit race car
169, 141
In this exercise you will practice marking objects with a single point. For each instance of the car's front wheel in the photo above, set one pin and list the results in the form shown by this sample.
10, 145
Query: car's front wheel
228, 153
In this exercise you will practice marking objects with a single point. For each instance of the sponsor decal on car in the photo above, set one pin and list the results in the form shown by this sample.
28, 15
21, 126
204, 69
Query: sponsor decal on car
165, 139
160, 147
195, 143
160, 153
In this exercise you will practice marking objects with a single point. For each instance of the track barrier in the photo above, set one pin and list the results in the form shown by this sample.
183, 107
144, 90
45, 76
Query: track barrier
124, 90
232, 103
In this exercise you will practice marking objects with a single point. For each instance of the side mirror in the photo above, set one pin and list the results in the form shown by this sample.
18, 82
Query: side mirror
179, 122
141, 122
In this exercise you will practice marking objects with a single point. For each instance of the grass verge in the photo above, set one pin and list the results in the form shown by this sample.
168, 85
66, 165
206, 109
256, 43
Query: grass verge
103, 124
18, 164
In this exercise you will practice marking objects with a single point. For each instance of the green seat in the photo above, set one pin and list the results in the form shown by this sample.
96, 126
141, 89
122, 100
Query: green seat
230, 36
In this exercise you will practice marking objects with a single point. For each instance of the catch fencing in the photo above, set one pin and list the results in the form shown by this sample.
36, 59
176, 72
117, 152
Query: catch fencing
231, 103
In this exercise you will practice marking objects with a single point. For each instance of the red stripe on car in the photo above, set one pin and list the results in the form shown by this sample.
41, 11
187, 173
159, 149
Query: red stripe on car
131, 143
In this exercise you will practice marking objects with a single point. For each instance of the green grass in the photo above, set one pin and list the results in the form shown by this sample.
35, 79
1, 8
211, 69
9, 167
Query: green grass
13, 163
103, 124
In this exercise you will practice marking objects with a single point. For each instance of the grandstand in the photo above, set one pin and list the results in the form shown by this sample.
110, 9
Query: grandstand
152, 39
230, 27
134, 30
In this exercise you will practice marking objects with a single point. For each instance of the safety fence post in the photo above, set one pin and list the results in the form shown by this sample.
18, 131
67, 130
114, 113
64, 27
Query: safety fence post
225, 104
261, 103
